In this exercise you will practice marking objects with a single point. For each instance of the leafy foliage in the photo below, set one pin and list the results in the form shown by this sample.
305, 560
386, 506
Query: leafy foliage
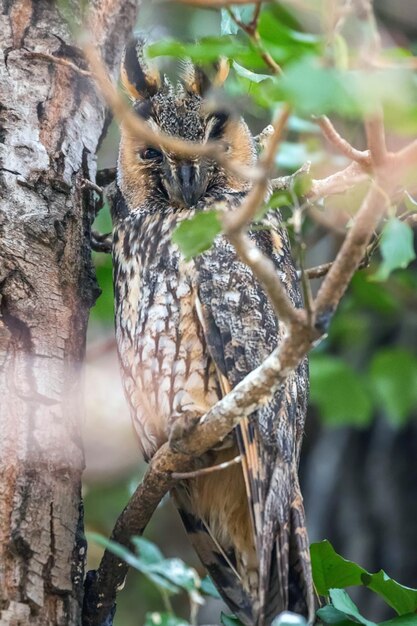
394, 379
197, 234
332, 573
168, 575
339, 392
397, 248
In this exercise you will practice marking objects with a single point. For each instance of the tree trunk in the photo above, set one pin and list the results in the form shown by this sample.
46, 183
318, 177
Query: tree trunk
51, 122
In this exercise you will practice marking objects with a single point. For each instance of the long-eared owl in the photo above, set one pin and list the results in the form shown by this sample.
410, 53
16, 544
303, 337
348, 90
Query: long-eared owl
189, 331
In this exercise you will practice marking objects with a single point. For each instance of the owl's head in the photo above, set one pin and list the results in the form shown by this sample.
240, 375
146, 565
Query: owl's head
150, 174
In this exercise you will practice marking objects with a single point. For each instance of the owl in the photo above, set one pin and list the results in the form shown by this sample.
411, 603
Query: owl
189, 331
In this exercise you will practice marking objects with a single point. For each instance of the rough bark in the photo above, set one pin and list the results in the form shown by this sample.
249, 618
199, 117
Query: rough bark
51, 122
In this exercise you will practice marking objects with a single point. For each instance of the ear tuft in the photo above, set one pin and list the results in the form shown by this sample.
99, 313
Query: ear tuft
195, 79
140, 80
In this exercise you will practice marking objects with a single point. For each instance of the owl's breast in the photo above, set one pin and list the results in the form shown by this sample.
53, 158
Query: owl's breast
166, 368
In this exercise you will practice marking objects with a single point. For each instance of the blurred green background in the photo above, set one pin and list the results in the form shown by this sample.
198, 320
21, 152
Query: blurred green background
358, 467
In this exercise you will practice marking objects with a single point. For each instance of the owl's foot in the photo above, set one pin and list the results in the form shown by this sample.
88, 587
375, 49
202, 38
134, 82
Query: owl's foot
181, 427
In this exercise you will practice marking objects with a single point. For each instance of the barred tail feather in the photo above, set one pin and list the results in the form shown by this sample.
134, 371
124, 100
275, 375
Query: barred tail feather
285, 572
220, 565
301, 592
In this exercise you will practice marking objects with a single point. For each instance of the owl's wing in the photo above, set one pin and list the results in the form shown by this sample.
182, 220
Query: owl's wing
241, 330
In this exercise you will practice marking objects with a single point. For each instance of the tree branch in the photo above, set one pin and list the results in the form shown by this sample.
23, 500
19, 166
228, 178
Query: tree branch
239, 219
333, 137
352, 252
375, 134
103, 584
339, 182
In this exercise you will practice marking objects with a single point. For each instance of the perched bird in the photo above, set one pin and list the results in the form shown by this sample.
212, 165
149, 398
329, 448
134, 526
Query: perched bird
189, 331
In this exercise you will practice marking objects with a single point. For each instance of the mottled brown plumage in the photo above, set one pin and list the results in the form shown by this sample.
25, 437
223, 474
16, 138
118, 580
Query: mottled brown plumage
188, 332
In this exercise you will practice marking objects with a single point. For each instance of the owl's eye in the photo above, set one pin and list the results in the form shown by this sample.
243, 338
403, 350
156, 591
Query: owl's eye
151, 154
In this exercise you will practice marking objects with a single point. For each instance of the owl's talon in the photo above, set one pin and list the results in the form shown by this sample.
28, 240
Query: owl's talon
181, 428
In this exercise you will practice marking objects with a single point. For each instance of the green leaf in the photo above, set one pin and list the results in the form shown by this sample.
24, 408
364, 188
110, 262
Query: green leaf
229, 620
289, 619
343, 603
116, 548
329, 615
330, 570
164, 619
373, 295
397, 248
278, 200
147, 551
339, 392
317, 90
197, 234
175, 571
154, 571
402, 599
208, 49
272, 29
208, 589
244, 73
394, 379
178, 573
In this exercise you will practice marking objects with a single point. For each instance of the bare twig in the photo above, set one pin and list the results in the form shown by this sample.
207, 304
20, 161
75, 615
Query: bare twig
88, 184
255, 389
244, 215
321, 270
375, 134
297, 221
236, 222
317, 272
285, 183
407, 157
207, 470
331, 134
252, 32
44, 56
352, 251
339, 182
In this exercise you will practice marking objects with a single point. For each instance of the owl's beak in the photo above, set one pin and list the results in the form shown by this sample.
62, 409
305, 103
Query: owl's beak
189, 188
